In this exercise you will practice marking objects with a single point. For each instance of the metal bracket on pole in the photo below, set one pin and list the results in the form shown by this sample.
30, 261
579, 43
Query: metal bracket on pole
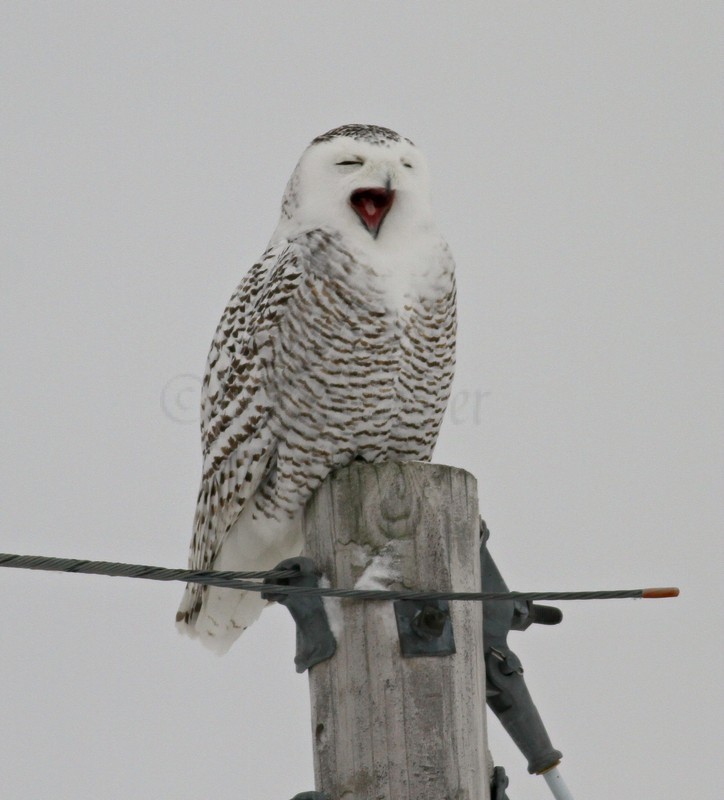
508, 695
315, 640
311, 796
424, 628
499, 784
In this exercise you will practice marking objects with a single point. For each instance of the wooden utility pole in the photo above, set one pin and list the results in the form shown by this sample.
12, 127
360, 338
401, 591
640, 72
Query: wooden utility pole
388, 727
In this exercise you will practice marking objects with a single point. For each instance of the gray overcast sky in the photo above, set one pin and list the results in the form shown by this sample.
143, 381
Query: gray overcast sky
575, 155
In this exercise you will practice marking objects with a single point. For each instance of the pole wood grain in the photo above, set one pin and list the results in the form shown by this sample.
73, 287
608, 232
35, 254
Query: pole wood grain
387, 727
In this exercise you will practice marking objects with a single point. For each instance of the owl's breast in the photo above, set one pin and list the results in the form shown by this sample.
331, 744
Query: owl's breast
335, 354
355, 375
364, 351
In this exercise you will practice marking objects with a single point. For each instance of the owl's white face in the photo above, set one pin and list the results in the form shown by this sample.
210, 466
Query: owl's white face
374, 193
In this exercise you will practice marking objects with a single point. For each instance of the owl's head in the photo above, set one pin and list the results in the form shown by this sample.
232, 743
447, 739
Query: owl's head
365, 181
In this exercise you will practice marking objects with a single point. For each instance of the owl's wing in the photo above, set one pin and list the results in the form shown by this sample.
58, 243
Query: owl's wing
237, 443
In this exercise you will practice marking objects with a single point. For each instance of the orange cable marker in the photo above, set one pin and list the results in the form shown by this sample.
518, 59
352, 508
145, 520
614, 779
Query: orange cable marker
660, 591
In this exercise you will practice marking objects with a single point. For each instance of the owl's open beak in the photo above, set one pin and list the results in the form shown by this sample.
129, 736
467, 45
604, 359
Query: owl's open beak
371, 206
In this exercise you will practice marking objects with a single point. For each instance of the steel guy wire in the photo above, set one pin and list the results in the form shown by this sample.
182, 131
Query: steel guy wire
243, 580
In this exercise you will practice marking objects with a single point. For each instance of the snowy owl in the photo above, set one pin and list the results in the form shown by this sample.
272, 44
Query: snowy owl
339, 344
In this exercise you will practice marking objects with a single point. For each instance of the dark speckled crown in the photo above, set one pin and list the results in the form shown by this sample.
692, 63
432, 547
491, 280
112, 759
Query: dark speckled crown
373, 134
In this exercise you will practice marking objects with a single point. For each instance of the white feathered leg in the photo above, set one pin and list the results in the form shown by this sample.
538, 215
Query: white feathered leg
252, 544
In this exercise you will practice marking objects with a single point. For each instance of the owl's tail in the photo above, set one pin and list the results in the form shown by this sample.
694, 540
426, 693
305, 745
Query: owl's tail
216, 616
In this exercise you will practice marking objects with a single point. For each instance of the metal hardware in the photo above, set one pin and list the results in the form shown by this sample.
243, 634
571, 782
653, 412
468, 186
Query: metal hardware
424, 628
499, 784
507, 693
315, 640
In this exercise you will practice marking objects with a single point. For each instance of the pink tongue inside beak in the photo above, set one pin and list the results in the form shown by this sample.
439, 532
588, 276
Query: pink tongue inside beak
371, 206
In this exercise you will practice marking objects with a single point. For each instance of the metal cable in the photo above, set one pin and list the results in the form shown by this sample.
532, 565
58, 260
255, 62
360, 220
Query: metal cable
117, 569
241, 580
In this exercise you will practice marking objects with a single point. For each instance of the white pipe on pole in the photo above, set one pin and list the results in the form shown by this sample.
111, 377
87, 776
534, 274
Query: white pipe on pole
556, 784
